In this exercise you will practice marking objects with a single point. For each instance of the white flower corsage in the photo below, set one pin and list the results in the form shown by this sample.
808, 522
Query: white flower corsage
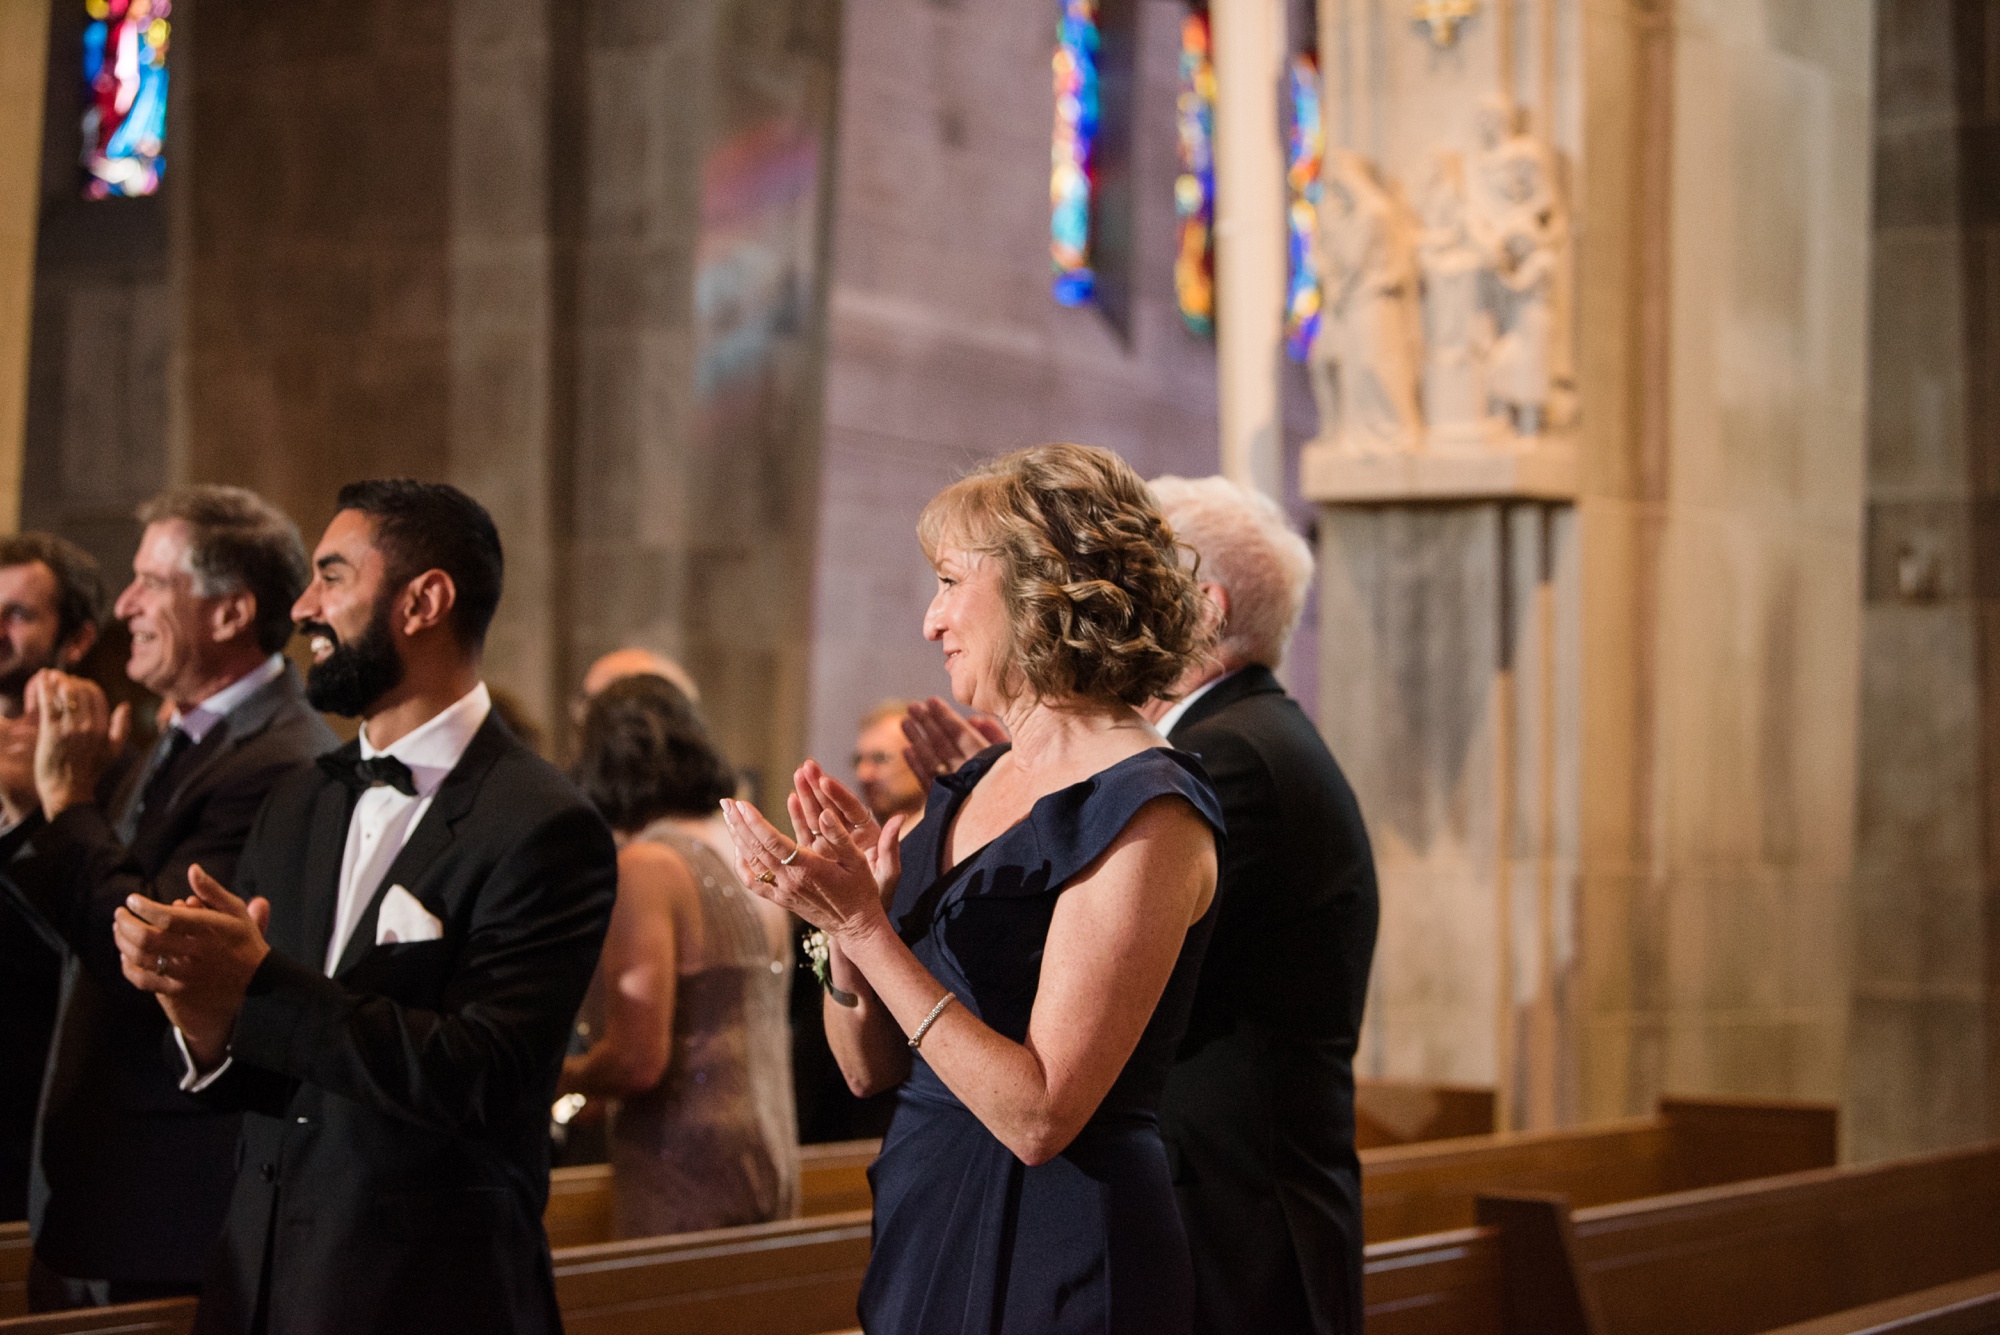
818, 951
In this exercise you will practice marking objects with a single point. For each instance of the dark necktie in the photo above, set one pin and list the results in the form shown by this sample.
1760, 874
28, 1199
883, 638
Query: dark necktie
157, 786
361, 775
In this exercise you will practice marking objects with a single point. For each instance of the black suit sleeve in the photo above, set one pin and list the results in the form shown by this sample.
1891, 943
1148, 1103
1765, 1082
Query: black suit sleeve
73, 872
490, 1048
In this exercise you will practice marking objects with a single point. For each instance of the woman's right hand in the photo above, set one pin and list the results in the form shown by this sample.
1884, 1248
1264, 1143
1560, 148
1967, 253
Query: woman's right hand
941, 739
835, 890
814, 793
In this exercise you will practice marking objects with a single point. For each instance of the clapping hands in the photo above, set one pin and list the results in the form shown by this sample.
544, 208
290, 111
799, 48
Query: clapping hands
941, 739
197, 956
840, 868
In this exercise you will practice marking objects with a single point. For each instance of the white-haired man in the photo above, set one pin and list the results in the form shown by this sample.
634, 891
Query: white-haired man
1258, 1114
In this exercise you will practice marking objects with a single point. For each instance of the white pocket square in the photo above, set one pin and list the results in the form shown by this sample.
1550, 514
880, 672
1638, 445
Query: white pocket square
402, 919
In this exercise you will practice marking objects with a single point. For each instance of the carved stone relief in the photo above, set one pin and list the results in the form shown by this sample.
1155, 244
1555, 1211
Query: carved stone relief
1447, 323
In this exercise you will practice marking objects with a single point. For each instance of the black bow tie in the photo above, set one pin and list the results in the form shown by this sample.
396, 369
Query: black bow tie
361, 775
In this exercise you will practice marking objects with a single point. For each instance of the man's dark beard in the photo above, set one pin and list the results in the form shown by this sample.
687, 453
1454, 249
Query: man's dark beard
356, 674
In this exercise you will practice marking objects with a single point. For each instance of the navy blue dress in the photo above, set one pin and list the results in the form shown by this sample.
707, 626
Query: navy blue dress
968, 1239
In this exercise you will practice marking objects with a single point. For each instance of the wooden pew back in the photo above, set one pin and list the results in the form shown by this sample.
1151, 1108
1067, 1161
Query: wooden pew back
1416, 1189
796, 1277
1403, 1112
169, 1316
833, 1179
1755, 1256
15, 1250
1441, 1284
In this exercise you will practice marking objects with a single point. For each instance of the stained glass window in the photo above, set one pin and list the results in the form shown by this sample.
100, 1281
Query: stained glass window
1305, 147
1194, 188
1072, 152
125, 95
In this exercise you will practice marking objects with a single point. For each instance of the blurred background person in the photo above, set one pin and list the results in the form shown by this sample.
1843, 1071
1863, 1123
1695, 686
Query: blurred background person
132, 1175
689, 1004
882, 776
630, 661
51, 601
1259, 1110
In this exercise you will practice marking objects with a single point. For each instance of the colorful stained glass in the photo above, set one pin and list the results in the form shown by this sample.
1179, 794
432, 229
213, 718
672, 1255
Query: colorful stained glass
1072, 152
125, 95
1194, 188
1305, 145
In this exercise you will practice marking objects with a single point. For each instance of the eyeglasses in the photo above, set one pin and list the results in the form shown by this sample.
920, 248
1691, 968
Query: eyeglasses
875, 758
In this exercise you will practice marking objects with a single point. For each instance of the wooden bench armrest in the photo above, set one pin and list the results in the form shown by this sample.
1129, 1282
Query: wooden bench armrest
1965, 1307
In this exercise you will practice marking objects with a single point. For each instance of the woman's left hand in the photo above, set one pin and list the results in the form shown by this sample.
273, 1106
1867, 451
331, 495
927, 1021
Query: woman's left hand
833, 888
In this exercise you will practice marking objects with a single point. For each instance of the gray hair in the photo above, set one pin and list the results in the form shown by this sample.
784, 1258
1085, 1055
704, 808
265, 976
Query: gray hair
237, 540
1246, 546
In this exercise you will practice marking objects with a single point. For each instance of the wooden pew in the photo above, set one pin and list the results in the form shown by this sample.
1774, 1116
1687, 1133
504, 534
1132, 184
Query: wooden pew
1964, 1307
833, 1179
169, 1316
1428, 1188
1404, 1112
1821, 1246
14, 1253
1440, 1284
797, 1277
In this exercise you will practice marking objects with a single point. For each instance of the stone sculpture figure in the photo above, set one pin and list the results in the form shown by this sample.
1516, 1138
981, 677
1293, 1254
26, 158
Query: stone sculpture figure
1457, 324
1516, 220
1364, 362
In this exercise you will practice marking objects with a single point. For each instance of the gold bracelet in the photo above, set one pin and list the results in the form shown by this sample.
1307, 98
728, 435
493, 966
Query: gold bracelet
917, 1038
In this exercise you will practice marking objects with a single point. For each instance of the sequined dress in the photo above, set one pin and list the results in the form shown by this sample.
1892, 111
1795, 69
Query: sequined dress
715, 1143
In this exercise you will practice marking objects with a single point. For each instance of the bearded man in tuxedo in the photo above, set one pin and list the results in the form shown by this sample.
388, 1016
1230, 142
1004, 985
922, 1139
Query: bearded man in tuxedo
387, 989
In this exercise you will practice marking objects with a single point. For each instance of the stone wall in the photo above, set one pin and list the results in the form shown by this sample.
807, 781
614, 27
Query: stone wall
1923, 1070
1607, 747
946, 347
567, 255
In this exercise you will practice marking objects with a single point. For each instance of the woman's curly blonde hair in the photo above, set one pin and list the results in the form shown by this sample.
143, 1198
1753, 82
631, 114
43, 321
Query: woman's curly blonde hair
1101, 598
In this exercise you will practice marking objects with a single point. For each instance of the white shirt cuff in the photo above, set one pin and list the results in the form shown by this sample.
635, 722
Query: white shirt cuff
193, 1082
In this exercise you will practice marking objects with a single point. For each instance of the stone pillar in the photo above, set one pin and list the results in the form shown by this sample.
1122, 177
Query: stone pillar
1249, 42
24, 30
503, 258
1597, 688
1924, 1058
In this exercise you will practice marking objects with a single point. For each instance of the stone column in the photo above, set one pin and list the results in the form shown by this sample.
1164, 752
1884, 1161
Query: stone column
1602, 716
1249, 41
24, 33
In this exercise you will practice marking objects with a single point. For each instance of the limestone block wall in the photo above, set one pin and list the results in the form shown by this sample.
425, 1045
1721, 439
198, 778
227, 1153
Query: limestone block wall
567, 255
1610, 760
1923, 1072
945, 346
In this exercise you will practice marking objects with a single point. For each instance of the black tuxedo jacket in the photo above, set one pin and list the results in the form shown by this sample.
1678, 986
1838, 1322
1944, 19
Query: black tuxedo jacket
395, 1138
1259, 1109
131, 1175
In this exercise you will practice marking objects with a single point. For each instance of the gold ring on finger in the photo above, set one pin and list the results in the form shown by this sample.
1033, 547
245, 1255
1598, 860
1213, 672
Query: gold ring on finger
767, 877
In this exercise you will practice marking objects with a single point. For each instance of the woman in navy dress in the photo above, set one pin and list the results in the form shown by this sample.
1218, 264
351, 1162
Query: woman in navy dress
1022, 965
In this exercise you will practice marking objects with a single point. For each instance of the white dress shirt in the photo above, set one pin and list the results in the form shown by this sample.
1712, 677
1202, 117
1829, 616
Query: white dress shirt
382, 823
1172, 718
198, 722
384, 819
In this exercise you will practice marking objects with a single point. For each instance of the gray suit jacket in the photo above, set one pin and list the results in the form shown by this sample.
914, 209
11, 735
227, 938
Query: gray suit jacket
131, 1176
